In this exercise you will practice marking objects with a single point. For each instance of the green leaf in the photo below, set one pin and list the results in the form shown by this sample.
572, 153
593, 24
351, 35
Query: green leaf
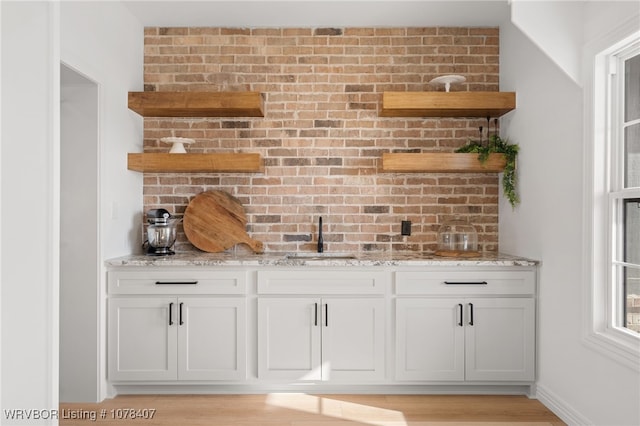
510, 151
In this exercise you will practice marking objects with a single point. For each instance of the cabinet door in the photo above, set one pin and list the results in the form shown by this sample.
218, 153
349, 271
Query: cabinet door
429, 339
500, 341
211, 338
289, 338
142, 338
353, 339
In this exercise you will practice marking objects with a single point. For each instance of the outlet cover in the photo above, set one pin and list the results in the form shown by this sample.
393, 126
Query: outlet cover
406, 227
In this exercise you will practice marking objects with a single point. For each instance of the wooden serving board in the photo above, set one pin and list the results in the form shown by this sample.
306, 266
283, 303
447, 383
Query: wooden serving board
215, 221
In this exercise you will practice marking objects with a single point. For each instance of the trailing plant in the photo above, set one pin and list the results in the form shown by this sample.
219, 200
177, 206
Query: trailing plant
497, 145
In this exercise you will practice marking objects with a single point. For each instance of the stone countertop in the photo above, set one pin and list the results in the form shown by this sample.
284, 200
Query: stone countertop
318, 259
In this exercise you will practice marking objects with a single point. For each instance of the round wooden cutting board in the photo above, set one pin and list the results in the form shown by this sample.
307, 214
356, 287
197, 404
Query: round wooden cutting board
215, 221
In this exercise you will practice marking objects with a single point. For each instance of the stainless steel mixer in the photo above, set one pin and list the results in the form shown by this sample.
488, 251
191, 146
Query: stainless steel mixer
161, 233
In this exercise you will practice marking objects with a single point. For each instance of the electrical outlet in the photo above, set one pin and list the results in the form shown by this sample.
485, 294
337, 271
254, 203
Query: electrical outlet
406, 227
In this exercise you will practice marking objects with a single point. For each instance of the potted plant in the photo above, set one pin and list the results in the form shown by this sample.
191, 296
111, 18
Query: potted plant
495, 144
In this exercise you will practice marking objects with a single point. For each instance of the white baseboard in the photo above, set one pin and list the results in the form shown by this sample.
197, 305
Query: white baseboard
315, 388
560, 408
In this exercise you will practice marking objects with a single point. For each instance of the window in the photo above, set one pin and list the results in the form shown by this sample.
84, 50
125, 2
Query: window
624, 191
612, 202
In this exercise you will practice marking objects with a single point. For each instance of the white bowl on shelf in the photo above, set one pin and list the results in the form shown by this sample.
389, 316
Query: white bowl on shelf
448, 80
178, 144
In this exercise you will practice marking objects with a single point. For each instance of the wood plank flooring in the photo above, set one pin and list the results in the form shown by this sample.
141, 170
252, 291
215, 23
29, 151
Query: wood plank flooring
310, 410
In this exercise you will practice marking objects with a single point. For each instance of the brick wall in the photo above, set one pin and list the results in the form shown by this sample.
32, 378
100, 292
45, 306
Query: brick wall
321, 137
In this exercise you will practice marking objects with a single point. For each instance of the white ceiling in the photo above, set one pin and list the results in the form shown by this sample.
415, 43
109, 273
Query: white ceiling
317, 13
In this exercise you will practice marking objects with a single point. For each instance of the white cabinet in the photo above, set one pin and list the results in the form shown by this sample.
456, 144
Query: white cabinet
289, 339
211, 338
429, 341
328, 338
319, 328
436, 340
321, 324
169, 337
142, 345
486, 337
500, 341
165, 338
353, 342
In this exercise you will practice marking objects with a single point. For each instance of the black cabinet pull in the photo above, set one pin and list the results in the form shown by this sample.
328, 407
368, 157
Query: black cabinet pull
176, 282
180, 315
315, 314
460, 308
171, 313
470, 313
466, 282
326, 315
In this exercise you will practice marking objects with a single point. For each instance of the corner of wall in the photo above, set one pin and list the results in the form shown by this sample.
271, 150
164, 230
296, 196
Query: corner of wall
561, 36
560, 407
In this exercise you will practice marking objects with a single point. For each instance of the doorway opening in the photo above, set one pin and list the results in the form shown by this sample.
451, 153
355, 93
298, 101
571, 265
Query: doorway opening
79, 238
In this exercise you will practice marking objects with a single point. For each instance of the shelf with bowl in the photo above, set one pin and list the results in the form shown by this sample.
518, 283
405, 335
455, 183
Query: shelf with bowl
447, 104
161, 162
195, 104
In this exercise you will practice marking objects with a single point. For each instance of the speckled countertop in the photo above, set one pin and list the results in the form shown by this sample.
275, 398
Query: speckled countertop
322, 259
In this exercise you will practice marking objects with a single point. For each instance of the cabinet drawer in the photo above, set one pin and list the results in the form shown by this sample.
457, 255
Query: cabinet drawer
177, 282
472, 282
321, 282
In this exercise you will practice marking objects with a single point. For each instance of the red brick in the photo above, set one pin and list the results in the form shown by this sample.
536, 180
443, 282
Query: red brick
310, 79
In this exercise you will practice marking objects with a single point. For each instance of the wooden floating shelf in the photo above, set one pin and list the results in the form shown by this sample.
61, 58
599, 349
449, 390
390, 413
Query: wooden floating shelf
195, 163
447, 104
197, 104
441, 162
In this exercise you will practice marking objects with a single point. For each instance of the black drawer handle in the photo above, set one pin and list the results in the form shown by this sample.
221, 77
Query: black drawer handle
466, 282
171, 313
176, 282
470, 313
326, 315
315, 321
460, 314
180, 316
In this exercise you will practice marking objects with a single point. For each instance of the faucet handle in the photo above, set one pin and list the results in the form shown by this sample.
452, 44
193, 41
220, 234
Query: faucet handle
320, 240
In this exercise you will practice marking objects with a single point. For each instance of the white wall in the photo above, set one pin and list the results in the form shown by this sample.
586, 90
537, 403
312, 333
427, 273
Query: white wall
580, 384
29, 216
555, 26
105, 43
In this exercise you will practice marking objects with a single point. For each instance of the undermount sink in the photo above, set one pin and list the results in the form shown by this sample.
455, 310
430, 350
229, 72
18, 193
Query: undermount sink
320, 256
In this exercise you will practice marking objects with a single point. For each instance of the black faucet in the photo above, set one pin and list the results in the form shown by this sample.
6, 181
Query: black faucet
320, 241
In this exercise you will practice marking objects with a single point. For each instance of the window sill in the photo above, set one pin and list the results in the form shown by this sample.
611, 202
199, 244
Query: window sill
616, 345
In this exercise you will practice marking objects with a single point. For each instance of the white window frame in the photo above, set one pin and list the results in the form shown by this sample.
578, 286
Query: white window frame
617, 191
602, 121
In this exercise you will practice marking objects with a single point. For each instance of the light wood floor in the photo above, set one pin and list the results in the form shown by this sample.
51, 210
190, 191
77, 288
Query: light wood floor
311, 410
